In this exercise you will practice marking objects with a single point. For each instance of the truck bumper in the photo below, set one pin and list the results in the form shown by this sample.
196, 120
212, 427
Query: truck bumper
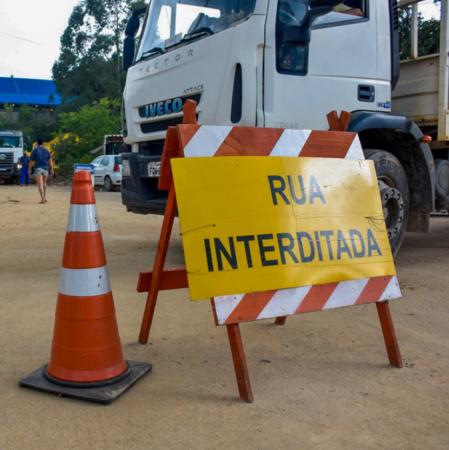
8, 170
139, 191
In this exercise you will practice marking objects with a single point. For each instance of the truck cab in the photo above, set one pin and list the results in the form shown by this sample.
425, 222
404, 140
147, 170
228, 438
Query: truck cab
11, 150
271, 63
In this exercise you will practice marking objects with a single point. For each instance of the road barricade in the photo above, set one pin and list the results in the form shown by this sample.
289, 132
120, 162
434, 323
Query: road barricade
345, 285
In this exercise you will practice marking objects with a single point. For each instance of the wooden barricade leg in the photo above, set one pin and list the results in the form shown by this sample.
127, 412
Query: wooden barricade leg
391, 343
239, 360
281, 320
158, 266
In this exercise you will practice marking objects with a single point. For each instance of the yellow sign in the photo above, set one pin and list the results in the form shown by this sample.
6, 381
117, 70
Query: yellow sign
254, 224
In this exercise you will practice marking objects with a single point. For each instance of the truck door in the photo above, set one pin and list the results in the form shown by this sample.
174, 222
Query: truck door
338, 70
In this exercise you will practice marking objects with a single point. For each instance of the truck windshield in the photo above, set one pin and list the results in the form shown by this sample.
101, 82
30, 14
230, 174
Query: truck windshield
174, 22
10, 141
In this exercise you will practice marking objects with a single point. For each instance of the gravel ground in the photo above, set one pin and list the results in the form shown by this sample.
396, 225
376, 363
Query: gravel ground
320, 382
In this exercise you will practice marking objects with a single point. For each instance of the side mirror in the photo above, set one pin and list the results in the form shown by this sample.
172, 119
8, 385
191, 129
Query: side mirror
301, 34
129, 49
129, 45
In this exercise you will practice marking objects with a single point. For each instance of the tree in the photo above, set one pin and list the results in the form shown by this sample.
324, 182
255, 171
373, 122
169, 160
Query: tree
89, 64
33, 122
83, 130
428, 33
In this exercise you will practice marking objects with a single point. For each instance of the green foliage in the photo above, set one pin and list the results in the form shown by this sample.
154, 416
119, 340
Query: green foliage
83, 130
89, 64
34, 123
428, 33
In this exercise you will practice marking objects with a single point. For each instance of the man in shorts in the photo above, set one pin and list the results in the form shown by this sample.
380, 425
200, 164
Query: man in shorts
43, 166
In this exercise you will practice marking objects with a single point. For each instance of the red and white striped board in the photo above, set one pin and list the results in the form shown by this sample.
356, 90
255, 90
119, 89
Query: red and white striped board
209, 141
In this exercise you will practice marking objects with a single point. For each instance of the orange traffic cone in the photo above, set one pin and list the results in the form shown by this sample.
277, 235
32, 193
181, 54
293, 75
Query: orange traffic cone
86, 358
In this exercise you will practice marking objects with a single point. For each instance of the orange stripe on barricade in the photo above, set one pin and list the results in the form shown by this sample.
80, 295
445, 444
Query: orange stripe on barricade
373, 290
316, 298
250, 307
83, 250
328, 144
186, 133
243, 141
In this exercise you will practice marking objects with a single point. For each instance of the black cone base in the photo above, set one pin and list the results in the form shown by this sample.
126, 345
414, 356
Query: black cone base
97, 393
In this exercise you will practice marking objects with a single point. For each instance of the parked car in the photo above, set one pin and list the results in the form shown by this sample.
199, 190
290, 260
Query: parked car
107, 171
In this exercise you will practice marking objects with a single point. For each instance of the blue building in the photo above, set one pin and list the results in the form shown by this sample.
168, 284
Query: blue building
16, 92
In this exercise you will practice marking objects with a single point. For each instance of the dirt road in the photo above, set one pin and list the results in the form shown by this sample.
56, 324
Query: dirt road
321, 382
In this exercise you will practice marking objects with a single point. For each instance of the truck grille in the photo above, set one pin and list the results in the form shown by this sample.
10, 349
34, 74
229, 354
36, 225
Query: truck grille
163, 124
6, 158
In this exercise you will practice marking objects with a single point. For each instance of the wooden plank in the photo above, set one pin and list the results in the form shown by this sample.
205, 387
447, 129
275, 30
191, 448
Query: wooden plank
170, 279
239, 360
158, 267
391, 343
281, 320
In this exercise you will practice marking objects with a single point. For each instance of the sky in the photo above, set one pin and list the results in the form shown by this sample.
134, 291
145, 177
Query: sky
30, 31
29, 35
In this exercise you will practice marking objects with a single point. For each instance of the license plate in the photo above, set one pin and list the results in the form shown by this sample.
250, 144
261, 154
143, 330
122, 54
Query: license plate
126, 171
154, 169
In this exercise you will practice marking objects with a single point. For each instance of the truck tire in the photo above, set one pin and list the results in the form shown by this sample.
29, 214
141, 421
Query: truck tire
394, 193
108, 186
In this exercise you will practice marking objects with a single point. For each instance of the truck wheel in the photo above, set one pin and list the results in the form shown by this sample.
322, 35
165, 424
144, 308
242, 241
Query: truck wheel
108, 186
394, 193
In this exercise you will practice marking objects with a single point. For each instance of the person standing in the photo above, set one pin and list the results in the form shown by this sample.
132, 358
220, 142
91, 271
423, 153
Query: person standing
24, 170
43, 166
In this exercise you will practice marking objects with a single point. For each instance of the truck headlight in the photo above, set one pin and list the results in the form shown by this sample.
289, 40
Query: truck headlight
126, 170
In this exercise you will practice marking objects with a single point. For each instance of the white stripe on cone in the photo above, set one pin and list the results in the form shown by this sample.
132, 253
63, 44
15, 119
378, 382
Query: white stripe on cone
84, 282
83, 218
206, 141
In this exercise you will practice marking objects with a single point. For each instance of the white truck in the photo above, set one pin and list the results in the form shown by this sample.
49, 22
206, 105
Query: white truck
112, 145
11, 150
280, 63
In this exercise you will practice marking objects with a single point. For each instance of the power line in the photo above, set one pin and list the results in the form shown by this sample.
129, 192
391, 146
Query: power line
20, 38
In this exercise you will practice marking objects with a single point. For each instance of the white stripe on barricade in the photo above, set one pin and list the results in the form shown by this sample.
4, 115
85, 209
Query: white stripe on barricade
84, 282
346, 293
393, 290
285, 302
355, 151
290, 143
226, 304
83, 218
206, 141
